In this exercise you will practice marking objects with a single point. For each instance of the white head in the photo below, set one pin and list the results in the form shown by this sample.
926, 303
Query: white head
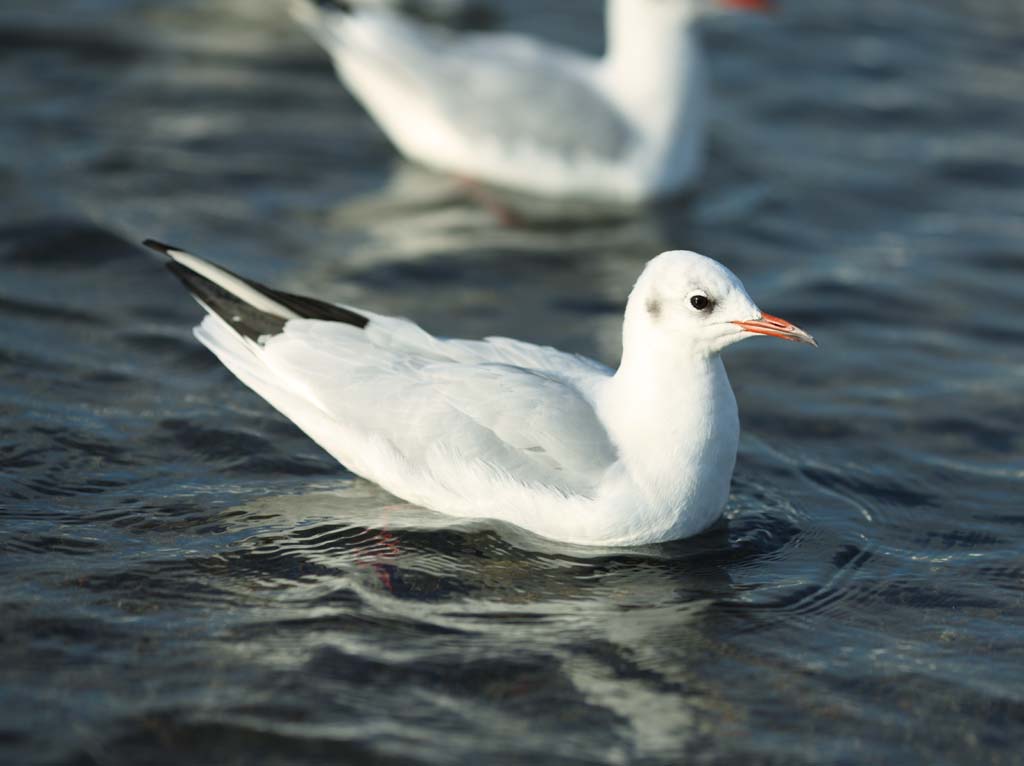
687, 303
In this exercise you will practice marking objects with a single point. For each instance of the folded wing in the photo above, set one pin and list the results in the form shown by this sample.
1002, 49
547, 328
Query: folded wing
507, 91
351, 379
536, 426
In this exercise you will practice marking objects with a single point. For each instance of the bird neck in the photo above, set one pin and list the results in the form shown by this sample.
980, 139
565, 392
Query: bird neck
654, 73
652, 62
672, 415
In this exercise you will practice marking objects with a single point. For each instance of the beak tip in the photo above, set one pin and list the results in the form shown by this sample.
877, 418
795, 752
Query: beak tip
775, 327
800, 337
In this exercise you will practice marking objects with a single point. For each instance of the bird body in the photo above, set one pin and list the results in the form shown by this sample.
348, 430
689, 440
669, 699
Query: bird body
497, 428
521, 113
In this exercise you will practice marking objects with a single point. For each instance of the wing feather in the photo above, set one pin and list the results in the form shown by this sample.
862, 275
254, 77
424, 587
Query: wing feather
489, 87
416, 391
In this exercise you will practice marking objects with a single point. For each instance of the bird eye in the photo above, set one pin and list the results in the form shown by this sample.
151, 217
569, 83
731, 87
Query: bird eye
700, 302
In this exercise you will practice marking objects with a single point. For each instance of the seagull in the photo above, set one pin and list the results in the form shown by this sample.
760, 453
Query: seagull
553, 442
515, 112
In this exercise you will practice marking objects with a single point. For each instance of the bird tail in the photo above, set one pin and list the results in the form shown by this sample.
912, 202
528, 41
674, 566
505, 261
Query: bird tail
241, 314
249, 308
323, 20
359, 27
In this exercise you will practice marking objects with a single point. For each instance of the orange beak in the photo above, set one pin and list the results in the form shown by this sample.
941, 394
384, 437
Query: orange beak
777, 328
750, 5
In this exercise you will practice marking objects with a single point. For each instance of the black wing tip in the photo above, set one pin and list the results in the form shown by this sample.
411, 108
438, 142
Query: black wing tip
160, 247
181, 272
185, 274
313, 308
245, 320
306, 308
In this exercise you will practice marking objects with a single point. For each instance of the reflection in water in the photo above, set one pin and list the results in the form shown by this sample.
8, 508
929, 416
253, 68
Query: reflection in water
445, 214
332, 559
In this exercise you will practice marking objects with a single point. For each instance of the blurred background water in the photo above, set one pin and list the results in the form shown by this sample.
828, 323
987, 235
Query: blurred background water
185, 577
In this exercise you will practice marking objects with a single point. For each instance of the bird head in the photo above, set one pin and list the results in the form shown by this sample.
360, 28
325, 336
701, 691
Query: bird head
687, 301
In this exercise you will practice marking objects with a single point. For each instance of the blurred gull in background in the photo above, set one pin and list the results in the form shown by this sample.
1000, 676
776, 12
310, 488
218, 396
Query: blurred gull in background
553, 442
458, 13
520, 113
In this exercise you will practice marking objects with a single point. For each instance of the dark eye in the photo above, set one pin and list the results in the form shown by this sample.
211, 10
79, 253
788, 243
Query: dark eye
700, 302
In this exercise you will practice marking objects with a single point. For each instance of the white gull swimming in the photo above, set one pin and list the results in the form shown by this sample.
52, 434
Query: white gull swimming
517, 112
497, 428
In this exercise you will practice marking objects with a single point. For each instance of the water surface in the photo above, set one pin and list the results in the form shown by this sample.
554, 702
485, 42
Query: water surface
187, 578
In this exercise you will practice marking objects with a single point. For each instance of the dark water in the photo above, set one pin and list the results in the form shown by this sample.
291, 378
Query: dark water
185, 578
